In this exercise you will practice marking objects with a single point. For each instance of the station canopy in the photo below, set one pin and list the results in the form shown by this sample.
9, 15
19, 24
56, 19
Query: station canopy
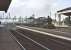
4, 5
66, 11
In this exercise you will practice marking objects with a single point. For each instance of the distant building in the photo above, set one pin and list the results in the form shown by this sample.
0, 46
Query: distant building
41, 20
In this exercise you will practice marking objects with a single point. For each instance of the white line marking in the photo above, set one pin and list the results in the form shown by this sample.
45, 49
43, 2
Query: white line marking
33, 41
18, 42
57, 36
51, 30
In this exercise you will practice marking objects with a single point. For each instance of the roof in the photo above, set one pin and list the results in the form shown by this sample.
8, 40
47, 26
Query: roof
65, 13
4, 5
69, 8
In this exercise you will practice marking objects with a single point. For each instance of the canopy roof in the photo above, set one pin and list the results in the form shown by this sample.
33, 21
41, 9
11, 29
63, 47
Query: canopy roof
65, 13
4, 5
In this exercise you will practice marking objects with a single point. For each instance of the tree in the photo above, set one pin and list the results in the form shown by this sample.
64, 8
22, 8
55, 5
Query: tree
49, 20
14, 19
31, 20
25, 19
49, 25
20, 19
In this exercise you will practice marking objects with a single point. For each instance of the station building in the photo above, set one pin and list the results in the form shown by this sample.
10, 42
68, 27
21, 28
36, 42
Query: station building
66, 12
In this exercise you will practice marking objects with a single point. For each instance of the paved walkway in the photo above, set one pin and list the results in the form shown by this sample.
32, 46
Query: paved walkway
7, 42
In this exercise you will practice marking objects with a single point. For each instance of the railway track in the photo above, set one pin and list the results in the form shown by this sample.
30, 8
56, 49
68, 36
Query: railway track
30, 44
35, 41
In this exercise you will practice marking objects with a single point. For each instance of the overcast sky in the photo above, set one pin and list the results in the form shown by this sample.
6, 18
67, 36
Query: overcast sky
38, 7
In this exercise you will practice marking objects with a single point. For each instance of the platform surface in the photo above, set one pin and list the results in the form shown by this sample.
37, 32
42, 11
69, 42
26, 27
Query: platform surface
6, 40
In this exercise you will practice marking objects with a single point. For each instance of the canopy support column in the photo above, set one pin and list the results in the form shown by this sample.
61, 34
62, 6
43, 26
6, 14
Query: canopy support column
59, 16
69, 19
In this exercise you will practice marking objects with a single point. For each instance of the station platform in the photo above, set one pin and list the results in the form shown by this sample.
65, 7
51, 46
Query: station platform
6, 41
